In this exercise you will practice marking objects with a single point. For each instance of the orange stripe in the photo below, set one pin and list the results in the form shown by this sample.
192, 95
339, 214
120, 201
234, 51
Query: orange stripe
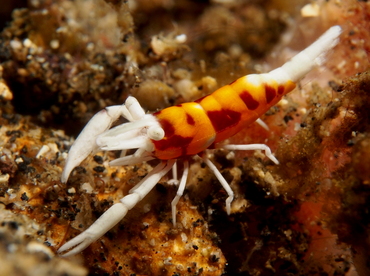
188, 131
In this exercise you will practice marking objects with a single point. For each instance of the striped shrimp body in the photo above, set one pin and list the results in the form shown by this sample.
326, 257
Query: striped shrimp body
185, 130
191, 128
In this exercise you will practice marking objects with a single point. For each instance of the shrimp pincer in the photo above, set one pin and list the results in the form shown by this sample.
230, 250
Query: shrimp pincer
185, 130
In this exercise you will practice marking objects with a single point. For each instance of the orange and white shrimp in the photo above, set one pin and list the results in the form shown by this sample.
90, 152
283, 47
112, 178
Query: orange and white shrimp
185, 130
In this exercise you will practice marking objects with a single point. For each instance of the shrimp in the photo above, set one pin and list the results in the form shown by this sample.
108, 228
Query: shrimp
185, 130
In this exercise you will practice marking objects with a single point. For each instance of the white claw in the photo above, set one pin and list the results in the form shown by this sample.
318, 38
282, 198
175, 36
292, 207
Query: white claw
103, 224
116, 212
86, 141
97, 136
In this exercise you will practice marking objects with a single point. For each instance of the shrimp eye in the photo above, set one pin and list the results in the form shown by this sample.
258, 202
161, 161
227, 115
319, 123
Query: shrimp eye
156, 133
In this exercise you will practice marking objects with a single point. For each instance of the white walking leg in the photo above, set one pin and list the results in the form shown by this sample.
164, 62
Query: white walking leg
252, 147
180, 191
174, 180
262, 124
223, 182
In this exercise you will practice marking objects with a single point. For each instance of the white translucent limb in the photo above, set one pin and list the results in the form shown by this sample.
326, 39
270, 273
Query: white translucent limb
103, 224
96, 135
143, 185
252, 147
148, 120
135, 112
132, 130
223, 182
117, 212
174, 171
131, 160
180, 191
262, 124
105, 139
85, 142
174, 180
123, 153
156, 170
126, 114
304, 61
134, 143
134, 107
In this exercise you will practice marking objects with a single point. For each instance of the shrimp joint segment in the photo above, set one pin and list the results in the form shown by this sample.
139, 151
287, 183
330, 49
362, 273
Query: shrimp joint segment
185, 130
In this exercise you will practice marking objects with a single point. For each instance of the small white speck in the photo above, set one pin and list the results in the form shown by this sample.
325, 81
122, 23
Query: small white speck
146, 208
181, 38
87, 187
27, 43
11, 193
54, 44
302, 110
12, 248
53, 147
167, 261
4, 178
19, 160
90, 46
297, 126
184, 238
34, 247
40, 59
62, 30
230, 155
283, 103
15, 44
310, 10
44, 149
152, 242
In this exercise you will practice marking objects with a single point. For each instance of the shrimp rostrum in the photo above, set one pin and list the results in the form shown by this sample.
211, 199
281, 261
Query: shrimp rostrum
185, 130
